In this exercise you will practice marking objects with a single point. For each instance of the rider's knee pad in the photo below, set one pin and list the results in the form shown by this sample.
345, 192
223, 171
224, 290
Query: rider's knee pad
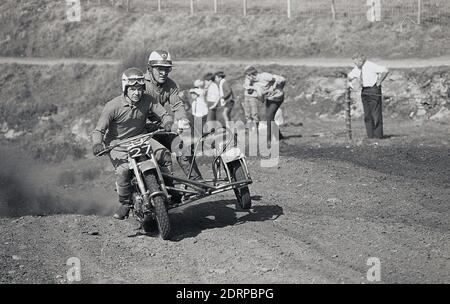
122, 171
164, 157
123, 176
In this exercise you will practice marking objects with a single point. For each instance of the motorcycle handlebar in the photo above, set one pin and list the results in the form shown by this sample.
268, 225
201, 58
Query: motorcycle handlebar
151, 134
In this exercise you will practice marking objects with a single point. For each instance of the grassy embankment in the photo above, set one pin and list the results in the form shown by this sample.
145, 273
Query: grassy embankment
40, 28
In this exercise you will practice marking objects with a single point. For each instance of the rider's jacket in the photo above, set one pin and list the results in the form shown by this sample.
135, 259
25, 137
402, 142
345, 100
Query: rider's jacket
167, 92
120, 119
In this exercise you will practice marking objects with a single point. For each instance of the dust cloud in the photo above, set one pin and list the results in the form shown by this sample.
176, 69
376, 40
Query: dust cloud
28, 187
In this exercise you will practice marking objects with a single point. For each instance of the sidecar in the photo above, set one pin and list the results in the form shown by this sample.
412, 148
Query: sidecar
230, 172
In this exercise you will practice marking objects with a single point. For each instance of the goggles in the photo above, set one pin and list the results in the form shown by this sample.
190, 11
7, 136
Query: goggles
134, 81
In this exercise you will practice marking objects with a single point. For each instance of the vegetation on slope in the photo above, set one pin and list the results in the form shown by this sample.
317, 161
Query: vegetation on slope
40, 28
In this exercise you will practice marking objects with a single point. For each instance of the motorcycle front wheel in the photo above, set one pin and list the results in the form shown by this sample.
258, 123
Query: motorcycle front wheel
162, 217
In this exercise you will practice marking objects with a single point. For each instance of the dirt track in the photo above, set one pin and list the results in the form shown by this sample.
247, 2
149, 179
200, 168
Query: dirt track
309, 62
317, 217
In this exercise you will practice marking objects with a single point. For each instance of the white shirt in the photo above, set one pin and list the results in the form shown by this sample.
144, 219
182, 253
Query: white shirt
199, 107
368, 74
212, 94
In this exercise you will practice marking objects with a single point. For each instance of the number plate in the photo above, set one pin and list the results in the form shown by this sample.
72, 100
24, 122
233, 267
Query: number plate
137, 151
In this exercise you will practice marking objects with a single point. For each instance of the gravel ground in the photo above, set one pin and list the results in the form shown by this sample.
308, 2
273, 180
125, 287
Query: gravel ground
317, 217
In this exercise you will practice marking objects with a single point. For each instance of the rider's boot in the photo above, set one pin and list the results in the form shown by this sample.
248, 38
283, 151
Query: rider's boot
125, 205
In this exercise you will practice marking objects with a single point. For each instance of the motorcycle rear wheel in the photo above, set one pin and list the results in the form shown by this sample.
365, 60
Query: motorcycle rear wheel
162, 217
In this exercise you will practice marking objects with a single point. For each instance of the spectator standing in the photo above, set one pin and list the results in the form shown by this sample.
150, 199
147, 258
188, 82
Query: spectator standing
371, 76
270, 90
226, 95
198, 106
212, 96
250, 104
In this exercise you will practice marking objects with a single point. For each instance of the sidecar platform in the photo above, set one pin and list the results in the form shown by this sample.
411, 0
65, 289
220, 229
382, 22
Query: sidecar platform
192, 190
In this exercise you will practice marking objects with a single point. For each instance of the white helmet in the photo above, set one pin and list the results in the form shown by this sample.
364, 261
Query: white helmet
131, 77
160, 58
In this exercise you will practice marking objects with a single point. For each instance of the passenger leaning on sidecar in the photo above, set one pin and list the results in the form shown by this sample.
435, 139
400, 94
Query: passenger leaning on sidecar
123, 117
165, 90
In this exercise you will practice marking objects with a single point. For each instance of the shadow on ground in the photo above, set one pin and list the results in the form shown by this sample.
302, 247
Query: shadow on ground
194, 219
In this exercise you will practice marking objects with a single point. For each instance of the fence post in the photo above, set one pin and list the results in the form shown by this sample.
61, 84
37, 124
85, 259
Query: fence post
128, 5
192, 7
244, 4
289, 9
419, 11
333, 10
159, 6
215, 6
348, 113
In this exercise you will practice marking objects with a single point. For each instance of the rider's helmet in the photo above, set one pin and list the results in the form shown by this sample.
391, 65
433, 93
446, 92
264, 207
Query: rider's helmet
160, 58
131, 77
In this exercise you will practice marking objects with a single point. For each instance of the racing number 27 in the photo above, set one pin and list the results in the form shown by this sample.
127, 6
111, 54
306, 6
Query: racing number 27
139, 151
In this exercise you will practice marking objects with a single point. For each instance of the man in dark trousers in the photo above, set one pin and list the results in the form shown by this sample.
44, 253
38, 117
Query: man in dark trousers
371, 76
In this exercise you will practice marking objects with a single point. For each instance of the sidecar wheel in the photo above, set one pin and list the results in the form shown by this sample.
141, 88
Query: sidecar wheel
242, 194
162, 217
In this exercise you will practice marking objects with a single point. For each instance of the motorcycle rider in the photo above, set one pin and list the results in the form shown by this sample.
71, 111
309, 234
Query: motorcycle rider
123, 117
165, 91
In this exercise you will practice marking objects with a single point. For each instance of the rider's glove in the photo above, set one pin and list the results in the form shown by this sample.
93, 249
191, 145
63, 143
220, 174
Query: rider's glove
97, 148
168, 126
